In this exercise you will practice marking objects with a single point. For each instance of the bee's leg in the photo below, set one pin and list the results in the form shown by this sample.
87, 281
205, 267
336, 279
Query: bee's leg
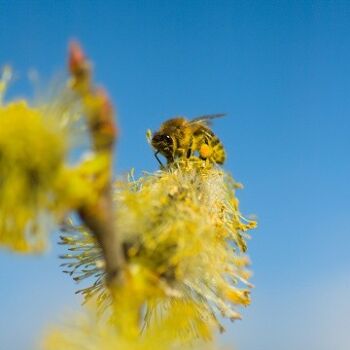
181, 152
189, 150
159, 161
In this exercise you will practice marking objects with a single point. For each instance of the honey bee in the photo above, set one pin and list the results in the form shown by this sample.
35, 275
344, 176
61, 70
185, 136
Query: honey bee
180, 138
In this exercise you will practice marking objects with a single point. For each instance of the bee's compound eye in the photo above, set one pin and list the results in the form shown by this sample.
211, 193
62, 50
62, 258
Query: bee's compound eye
162, 139
157, 138
168, 140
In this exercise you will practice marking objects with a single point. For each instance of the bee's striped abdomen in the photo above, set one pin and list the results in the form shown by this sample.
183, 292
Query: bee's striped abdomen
211, 147
219, 154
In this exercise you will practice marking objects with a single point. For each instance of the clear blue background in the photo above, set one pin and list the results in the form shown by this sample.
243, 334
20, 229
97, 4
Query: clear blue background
281, 70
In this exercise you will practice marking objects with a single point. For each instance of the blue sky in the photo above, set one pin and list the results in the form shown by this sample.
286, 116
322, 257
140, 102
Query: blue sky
281, 71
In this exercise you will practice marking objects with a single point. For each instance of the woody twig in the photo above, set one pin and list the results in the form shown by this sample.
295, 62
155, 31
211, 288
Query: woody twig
99, 113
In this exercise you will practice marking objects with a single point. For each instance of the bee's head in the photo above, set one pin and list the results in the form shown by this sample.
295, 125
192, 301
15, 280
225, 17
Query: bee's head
163, 143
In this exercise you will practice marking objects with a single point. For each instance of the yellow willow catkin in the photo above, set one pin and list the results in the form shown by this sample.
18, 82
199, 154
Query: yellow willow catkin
182, 232
37, 185
87, 332
31, 157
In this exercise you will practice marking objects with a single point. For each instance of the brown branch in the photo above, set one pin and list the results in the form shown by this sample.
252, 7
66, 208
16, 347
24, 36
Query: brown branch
99, 113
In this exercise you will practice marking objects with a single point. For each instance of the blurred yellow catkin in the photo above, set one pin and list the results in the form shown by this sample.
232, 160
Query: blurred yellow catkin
38, 186
31, 155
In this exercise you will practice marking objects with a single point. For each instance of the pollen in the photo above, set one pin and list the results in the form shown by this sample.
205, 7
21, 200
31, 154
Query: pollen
205, 151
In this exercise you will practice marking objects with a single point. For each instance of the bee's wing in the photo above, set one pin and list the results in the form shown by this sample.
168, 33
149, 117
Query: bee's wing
206, 119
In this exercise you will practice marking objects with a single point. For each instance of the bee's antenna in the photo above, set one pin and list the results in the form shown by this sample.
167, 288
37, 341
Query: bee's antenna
159, 161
